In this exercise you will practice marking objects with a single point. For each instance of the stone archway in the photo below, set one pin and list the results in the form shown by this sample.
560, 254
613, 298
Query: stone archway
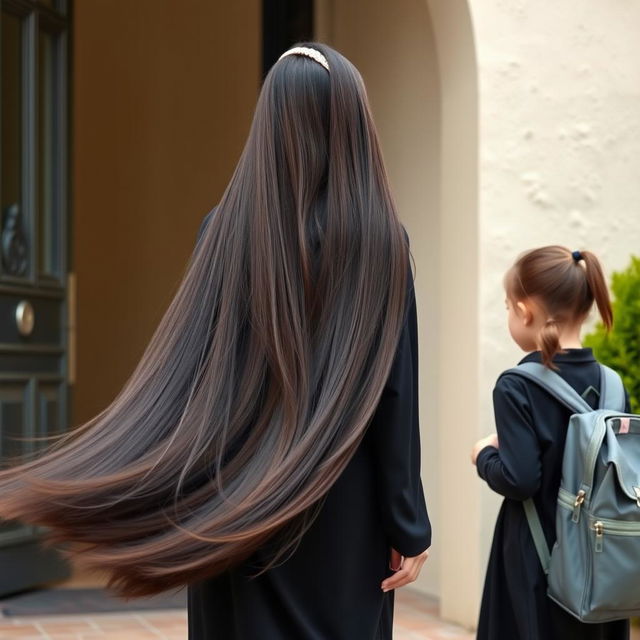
418, 62
392, 45
458, 364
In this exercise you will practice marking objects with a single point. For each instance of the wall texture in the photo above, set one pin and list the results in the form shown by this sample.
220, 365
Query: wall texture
163, 97
559, 89
539, 145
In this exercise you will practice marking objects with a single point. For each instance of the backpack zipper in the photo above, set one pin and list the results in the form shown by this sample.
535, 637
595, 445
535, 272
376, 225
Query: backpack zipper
598, 527
573, 503
577, 504
601, 525
613, 528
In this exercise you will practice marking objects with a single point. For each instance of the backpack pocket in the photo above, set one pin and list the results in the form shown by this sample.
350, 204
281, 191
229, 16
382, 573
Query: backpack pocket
615, 549
593, 573
569, 570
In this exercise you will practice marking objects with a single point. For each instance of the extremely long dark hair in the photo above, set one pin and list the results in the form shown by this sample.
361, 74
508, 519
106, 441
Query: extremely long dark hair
264, 372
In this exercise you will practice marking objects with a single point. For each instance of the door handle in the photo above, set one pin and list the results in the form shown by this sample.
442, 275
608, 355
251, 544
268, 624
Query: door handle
25, 318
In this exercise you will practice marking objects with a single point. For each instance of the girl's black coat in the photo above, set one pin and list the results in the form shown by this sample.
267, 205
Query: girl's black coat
532, 428
330, 588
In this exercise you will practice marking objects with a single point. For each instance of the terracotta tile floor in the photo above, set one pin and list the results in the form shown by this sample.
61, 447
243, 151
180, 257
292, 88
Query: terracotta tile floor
416, 618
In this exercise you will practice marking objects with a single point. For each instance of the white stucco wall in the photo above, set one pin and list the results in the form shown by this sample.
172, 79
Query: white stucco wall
559, 141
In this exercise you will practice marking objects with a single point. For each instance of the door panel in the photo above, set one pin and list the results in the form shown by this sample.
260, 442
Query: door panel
34, 393
49, 403
49, 261
14, 428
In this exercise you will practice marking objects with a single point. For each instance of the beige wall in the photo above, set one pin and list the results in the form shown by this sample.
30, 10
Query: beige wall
418, 60
163, 95
393, 47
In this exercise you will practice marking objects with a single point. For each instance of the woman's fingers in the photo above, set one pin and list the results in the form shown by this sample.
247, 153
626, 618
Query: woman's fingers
395, 560
408, 573
398, 579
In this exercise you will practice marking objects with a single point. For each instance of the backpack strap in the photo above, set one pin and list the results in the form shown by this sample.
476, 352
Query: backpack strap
558, 387
612, 395
562, 391
535, 526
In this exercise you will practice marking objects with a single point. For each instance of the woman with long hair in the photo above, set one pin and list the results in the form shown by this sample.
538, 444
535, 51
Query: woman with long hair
265, 451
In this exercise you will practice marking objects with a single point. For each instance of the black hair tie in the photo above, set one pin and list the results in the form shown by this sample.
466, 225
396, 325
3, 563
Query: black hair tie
577, 256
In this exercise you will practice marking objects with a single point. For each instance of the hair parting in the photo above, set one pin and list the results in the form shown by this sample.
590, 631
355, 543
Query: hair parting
258, 384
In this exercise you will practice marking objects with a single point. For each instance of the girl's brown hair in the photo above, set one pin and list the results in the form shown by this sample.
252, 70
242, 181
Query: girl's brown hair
259, 383
565, 284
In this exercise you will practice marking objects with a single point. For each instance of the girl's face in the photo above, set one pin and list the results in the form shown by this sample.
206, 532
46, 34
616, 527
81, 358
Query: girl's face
524, 323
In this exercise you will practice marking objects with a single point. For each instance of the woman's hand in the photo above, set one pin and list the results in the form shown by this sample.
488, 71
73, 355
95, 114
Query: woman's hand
489, 441
406, 569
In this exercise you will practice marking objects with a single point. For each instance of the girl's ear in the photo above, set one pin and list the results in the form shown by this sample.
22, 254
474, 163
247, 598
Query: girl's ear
525, 313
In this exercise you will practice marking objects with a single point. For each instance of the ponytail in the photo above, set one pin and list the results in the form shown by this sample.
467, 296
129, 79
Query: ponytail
549, 342
598, 287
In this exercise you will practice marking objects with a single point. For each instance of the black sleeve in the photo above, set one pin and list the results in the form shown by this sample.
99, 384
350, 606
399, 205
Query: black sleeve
515, 469
396, 437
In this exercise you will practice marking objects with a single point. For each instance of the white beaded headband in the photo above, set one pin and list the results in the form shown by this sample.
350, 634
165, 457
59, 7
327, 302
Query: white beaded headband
314, 54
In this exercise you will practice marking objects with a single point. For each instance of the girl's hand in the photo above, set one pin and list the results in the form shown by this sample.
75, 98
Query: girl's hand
406, 569
489, 441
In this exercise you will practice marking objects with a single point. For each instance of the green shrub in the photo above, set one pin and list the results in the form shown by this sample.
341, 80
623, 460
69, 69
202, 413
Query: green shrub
620, 349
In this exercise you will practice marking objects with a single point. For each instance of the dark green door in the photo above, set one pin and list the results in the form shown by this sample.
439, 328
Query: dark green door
34, 314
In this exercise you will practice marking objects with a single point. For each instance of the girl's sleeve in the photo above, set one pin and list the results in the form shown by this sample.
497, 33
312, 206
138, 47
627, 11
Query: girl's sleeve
513, 470
396, 439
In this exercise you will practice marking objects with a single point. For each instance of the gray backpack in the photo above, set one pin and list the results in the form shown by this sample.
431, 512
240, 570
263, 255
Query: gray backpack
594, 568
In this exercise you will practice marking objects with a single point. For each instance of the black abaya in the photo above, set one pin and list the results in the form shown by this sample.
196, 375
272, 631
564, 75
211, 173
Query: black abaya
329, 589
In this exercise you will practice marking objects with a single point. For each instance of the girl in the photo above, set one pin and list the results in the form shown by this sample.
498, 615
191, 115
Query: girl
549, 293
266, 449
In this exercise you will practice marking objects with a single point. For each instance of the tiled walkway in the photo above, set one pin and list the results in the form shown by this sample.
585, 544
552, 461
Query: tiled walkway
416, 618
